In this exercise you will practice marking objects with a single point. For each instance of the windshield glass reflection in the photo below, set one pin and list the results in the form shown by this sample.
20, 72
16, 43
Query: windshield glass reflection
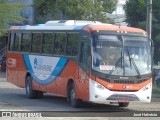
138, 49
108, 49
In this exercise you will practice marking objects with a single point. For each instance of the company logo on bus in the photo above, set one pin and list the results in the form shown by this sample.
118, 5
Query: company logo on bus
35, 63
124, 87
38, 65
11, 62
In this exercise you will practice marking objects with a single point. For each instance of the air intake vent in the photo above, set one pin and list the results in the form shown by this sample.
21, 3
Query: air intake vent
130, 97
124, 81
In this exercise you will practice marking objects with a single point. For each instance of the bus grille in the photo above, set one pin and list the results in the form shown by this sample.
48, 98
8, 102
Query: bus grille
131, 80
124, 81
130, 97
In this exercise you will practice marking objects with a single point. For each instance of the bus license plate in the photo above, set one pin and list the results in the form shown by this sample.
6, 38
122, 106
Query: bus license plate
123, 100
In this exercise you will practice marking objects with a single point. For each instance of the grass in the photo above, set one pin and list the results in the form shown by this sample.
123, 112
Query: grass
155, 90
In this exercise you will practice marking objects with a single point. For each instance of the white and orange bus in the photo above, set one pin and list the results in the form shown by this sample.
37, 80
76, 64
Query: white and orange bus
82, 61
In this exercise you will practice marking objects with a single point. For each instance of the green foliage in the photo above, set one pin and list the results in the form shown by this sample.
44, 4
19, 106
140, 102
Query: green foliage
136, 11
74, 9
109, 5
142, 25
8, 14
155, 90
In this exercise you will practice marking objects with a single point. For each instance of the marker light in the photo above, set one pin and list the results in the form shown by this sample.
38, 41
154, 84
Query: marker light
40, 24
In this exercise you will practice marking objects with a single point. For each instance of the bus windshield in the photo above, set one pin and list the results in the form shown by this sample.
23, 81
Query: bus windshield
122, 55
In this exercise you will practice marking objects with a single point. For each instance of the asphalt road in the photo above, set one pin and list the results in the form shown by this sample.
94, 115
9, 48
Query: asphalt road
13, 98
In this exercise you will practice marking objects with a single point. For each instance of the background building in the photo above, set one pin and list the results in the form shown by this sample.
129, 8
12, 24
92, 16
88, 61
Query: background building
119, 14
27, 13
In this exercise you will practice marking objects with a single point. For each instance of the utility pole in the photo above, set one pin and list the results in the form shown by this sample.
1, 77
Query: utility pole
33, 12
149, 18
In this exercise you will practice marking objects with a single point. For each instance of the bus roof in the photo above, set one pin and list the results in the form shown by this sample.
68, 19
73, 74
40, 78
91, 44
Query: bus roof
77, 25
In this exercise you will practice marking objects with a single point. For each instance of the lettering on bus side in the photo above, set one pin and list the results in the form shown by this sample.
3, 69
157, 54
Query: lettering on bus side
11, 62
41, 67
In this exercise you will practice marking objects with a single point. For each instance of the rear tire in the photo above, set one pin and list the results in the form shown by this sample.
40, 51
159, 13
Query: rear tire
31, 94
123, 104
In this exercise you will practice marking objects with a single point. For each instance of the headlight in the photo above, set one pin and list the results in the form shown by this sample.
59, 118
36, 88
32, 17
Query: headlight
98, 85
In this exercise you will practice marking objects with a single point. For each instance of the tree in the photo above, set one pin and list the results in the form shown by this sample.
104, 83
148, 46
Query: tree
74, 9
136, 11
8, 15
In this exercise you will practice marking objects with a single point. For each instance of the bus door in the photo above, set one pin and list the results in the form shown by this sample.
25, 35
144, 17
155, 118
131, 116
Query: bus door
84, 58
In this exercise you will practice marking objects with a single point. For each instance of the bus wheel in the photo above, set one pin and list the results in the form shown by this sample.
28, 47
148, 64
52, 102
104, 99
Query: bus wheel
74, 102
31, 94
123, 104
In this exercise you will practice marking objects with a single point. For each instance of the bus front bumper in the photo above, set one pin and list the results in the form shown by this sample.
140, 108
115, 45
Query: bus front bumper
100, 94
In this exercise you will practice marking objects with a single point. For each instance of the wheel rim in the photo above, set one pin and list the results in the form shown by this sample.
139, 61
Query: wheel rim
73, 96
27, 88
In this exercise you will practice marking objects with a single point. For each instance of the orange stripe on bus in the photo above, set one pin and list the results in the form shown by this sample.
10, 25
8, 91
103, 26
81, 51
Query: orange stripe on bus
113, 28
114, 86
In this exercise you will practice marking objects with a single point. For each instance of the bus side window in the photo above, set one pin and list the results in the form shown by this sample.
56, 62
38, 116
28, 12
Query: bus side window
17, 38
36, 42
59, 43
11, 41
47, 43
72, 44
88, 58
25, 42
83, 55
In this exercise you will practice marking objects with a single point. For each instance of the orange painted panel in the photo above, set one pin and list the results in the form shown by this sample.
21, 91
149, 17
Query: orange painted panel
51, 87
35, 85
16, 69
83, 85
70, 72
21, 78
113, 28
17, 73
43, 88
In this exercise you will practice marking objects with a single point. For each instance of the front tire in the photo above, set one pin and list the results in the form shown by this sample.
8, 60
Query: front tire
74, 102
31, 94
123, 104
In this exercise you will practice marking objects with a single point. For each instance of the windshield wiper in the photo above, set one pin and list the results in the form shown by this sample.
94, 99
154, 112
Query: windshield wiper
119, 60
130, 60
134, 64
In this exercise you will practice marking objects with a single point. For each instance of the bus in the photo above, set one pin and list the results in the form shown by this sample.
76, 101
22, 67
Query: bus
84, 61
